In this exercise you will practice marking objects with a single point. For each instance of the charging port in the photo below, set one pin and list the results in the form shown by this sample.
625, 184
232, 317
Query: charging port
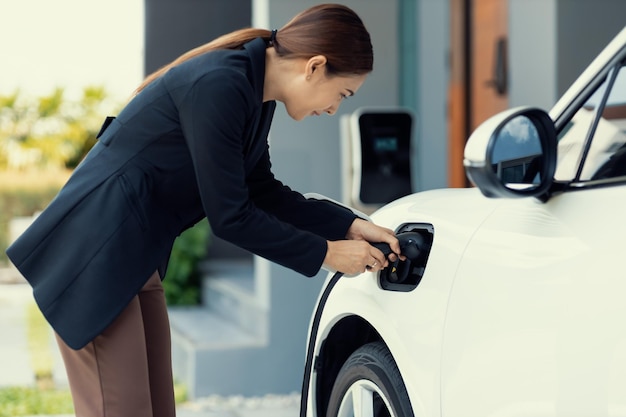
416, 240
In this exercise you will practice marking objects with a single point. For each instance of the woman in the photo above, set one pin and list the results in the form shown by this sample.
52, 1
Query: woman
191, 143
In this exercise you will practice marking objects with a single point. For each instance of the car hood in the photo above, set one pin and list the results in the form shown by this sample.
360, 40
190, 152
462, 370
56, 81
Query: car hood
459, 208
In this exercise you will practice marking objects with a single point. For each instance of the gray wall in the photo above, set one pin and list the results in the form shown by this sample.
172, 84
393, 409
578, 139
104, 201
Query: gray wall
584, 27
553, 41
431, 136
532, 53
175, 26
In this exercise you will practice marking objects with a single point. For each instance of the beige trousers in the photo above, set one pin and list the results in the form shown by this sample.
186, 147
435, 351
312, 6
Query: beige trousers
127, 370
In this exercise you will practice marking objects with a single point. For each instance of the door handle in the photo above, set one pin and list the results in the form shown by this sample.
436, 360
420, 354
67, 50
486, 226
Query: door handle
500, 68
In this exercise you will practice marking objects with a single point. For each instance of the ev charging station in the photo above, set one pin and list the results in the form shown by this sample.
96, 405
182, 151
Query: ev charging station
376, 149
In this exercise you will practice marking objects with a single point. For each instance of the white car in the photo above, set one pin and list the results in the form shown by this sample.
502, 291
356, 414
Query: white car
513, 301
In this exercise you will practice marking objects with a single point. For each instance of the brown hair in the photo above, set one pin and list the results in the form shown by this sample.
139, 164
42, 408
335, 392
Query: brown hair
332, 30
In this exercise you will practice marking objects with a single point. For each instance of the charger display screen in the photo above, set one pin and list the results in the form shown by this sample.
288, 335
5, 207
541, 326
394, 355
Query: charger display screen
386, 156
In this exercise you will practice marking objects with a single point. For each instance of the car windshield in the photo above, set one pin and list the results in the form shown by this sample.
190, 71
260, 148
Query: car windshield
605, 156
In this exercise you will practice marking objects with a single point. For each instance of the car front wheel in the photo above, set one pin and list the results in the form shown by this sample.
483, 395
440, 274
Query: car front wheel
369, 385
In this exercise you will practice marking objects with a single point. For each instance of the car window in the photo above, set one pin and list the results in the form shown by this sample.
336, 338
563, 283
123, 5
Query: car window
593, 144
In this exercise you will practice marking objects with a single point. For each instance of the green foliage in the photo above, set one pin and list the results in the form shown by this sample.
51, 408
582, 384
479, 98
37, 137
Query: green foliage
50, 131
181, 393
182, 280
28, 401
38, 335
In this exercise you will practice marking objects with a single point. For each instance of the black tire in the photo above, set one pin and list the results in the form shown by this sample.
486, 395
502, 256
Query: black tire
371, 371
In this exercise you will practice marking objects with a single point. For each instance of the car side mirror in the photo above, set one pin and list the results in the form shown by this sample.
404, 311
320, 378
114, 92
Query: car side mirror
512, 154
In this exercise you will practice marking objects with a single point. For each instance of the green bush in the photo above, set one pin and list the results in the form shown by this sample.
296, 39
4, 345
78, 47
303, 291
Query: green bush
51, 131
182, 283
28, 401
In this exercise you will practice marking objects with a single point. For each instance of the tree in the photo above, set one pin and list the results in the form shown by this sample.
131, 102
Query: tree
50, 132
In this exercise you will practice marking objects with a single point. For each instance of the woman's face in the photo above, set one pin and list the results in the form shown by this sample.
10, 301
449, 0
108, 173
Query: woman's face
316, 94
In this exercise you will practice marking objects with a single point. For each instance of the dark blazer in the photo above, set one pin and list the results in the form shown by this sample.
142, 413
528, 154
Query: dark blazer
192, 144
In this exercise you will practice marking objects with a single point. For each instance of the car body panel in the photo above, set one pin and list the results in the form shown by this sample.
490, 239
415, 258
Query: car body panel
548, 339
422, 308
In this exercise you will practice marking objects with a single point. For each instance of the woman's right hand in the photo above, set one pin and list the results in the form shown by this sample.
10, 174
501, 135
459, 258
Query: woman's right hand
353, 257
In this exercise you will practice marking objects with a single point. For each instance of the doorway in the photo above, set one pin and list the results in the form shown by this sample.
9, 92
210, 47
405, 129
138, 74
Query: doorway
478, 85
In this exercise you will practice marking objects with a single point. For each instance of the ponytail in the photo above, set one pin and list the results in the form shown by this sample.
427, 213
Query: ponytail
232, 40
332, 30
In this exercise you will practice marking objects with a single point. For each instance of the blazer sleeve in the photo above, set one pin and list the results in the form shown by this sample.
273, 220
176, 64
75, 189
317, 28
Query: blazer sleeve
214, 115
322, 218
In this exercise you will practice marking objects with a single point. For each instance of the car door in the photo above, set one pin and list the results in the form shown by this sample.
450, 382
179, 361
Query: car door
535, 320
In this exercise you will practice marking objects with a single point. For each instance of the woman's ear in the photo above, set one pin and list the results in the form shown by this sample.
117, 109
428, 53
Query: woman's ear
315, 66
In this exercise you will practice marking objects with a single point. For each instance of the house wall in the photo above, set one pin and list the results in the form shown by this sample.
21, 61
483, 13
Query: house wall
175, 26
583, 28
430, 165
532, 53
552, 42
